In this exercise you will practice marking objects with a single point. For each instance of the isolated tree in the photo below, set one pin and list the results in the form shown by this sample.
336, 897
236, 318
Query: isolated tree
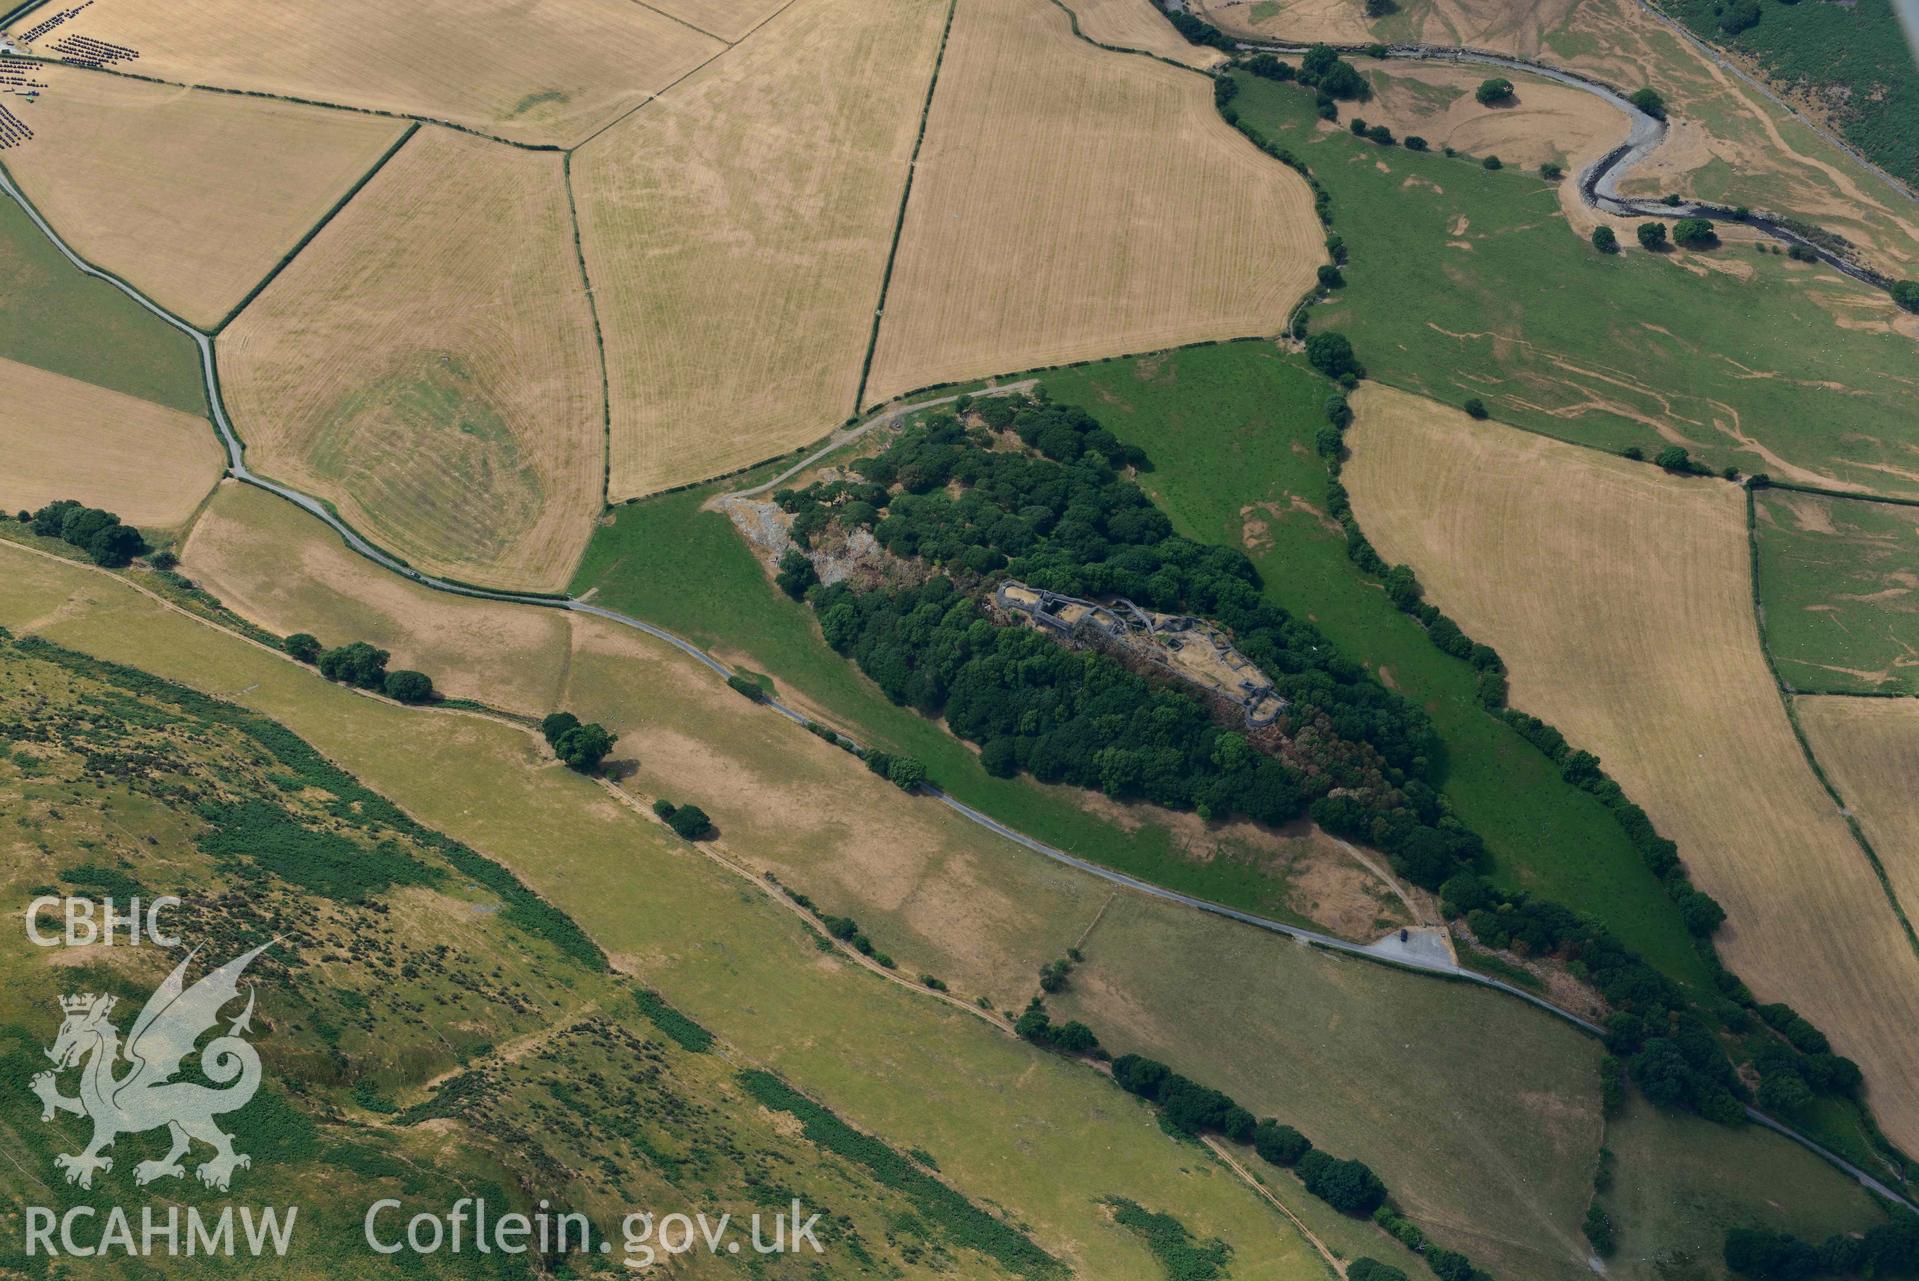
691, 822
1740, 15
1331, 353
1415, 143
905, 772
555, 726
1694, 233
1552, 171
1364, 1269
304, 646
80, 524
407, 686
1652, 235
1701, 913
49, 520
1497, 89
114, 545
1674, 458
1604, 240
1649, 101
583, 747
1280, 1144
356, 664
1784, 1092
1599, 1230
1475, 407
1904, 292
1493, 162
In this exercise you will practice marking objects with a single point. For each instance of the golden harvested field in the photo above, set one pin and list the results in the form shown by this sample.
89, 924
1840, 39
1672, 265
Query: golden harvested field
145, 180
444, 392
1620, 598
62, 438
727, 19
1869, 748
1138, 24
1071, 202
1729, 142
736, 234
541, 71
276, 566
1545, 120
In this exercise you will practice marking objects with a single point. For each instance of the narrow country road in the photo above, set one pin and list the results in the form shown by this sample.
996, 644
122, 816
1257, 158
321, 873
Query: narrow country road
236, 465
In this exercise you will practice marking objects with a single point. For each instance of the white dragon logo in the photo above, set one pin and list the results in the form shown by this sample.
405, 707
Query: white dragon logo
147, 1097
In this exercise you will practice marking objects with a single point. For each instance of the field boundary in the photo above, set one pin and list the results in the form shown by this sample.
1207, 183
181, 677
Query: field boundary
1073, 19
906, 195
286, 259
1786, 695
321, 103
599, 345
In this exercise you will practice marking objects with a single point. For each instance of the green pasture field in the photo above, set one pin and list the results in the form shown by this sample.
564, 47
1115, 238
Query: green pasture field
1230, 430
61, 320
1613, 351
1839, 583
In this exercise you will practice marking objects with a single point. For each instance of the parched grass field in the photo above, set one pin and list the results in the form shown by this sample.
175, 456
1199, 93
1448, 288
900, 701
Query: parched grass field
278, 567
62, 438
1839, 581
1543, 121
59, 319
1512, 306
1619, 597
736, 232
144, 180
1138, 24
1071, 202
537, 71
1040, 1138
1730, 143
1869, 748
728, 19
427, 363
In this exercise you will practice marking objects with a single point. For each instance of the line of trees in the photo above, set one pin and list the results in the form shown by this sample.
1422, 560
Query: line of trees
580, 745
94, 530
362, 666
1888, 1250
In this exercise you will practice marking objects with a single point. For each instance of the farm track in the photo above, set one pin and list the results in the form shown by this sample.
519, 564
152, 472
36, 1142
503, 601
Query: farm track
1605, 170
